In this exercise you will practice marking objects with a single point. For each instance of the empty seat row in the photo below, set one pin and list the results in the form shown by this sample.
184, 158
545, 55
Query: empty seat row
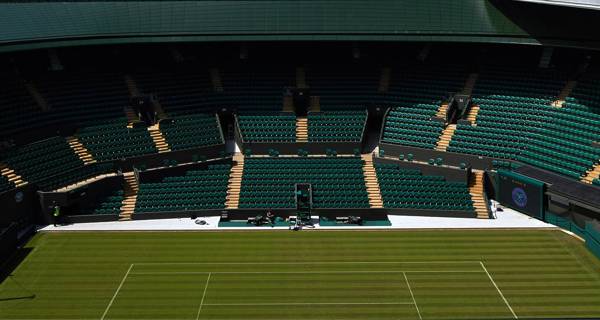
198, 189
115, 141
191, 131
408, 188
336, 182
336, 126
76, 175
517, 121
43, 159
415, 97
108, 204
267, 126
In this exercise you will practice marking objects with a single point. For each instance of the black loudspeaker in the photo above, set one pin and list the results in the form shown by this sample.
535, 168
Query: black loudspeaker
302, 101
138, 102
143, 106
462, 101
288, 91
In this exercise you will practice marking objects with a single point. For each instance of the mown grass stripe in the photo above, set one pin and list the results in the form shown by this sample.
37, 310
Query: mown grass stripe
542, 273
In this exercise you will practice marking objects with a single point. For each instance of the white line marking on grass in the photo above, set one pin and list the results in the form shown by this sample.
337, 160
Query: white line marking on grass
413, 296
203, 295
116, 292
500, 292
307, 262
308, 303
306, 272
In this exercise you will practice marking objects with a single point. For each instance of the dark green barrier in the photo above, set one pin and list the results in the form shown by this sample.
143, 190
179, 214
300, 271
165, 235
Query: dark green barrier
562, 222
591, 232
592, 238
566, 223
578, 230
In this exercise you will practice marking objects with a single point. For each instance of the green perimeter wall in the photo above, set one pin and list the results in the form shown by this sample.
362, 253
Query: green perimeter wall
565, 223
590, 232
592, 239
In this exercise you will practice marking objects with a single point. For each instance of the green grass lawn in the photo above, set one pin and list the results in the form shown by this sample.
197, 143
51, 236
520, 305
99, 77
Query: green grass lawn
304, 275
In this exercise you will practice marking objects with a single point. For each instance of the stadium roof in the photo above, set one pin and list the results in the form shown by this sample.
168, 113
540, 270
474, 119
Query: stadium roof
584, 4
42, 24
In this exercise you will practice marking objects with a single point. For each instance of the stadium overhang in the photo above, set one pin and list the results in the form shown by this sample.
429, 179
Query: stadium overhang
30, 25
582, 4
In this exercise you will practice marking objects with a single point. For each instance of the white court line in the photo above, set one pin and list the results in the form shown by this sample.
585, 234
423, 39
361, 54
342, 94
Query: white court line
308, 303
500, 292
306, 272
413, 296
116, 292
203, 295
308, 262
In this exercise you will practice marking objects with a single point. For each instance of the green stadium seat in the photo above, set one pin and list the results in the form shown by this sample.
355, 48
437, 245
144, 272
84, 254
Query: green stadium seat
337, 182
408, 188
191, 131
196, 190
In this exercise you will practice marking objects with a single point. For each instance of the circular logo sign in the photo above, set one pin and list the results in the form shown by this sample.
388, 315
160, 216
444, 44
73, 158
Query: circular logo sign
519, 197
19, 197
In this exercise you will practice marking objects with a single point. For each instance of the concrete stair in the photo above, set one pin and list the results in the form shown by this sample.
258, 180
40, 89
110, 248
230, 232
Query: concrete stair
470, 84
11, 175
442, 110
445, 137
132, 86
315, 104
37, 96
564, 93
472, 115
131, 188
215, 79
301, 129
80, 150
301, 78
288, 104
592, 174
371, 182
235, 182
476, 190
384, 80
158, 138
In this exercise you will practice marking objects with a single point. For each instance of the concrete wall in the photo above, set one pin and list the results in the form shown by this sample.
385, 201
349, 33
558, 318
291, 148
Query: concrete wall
156, 174
451, 174
450, 158
182, 156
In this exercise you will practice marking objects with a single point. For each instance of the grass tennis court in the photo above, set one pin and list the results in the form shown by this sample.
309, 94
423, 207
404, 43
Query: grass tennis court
304, 275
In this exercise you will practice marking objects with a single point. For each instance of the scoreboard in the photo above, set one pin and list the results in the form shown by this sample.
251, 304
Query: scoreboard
521, 193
